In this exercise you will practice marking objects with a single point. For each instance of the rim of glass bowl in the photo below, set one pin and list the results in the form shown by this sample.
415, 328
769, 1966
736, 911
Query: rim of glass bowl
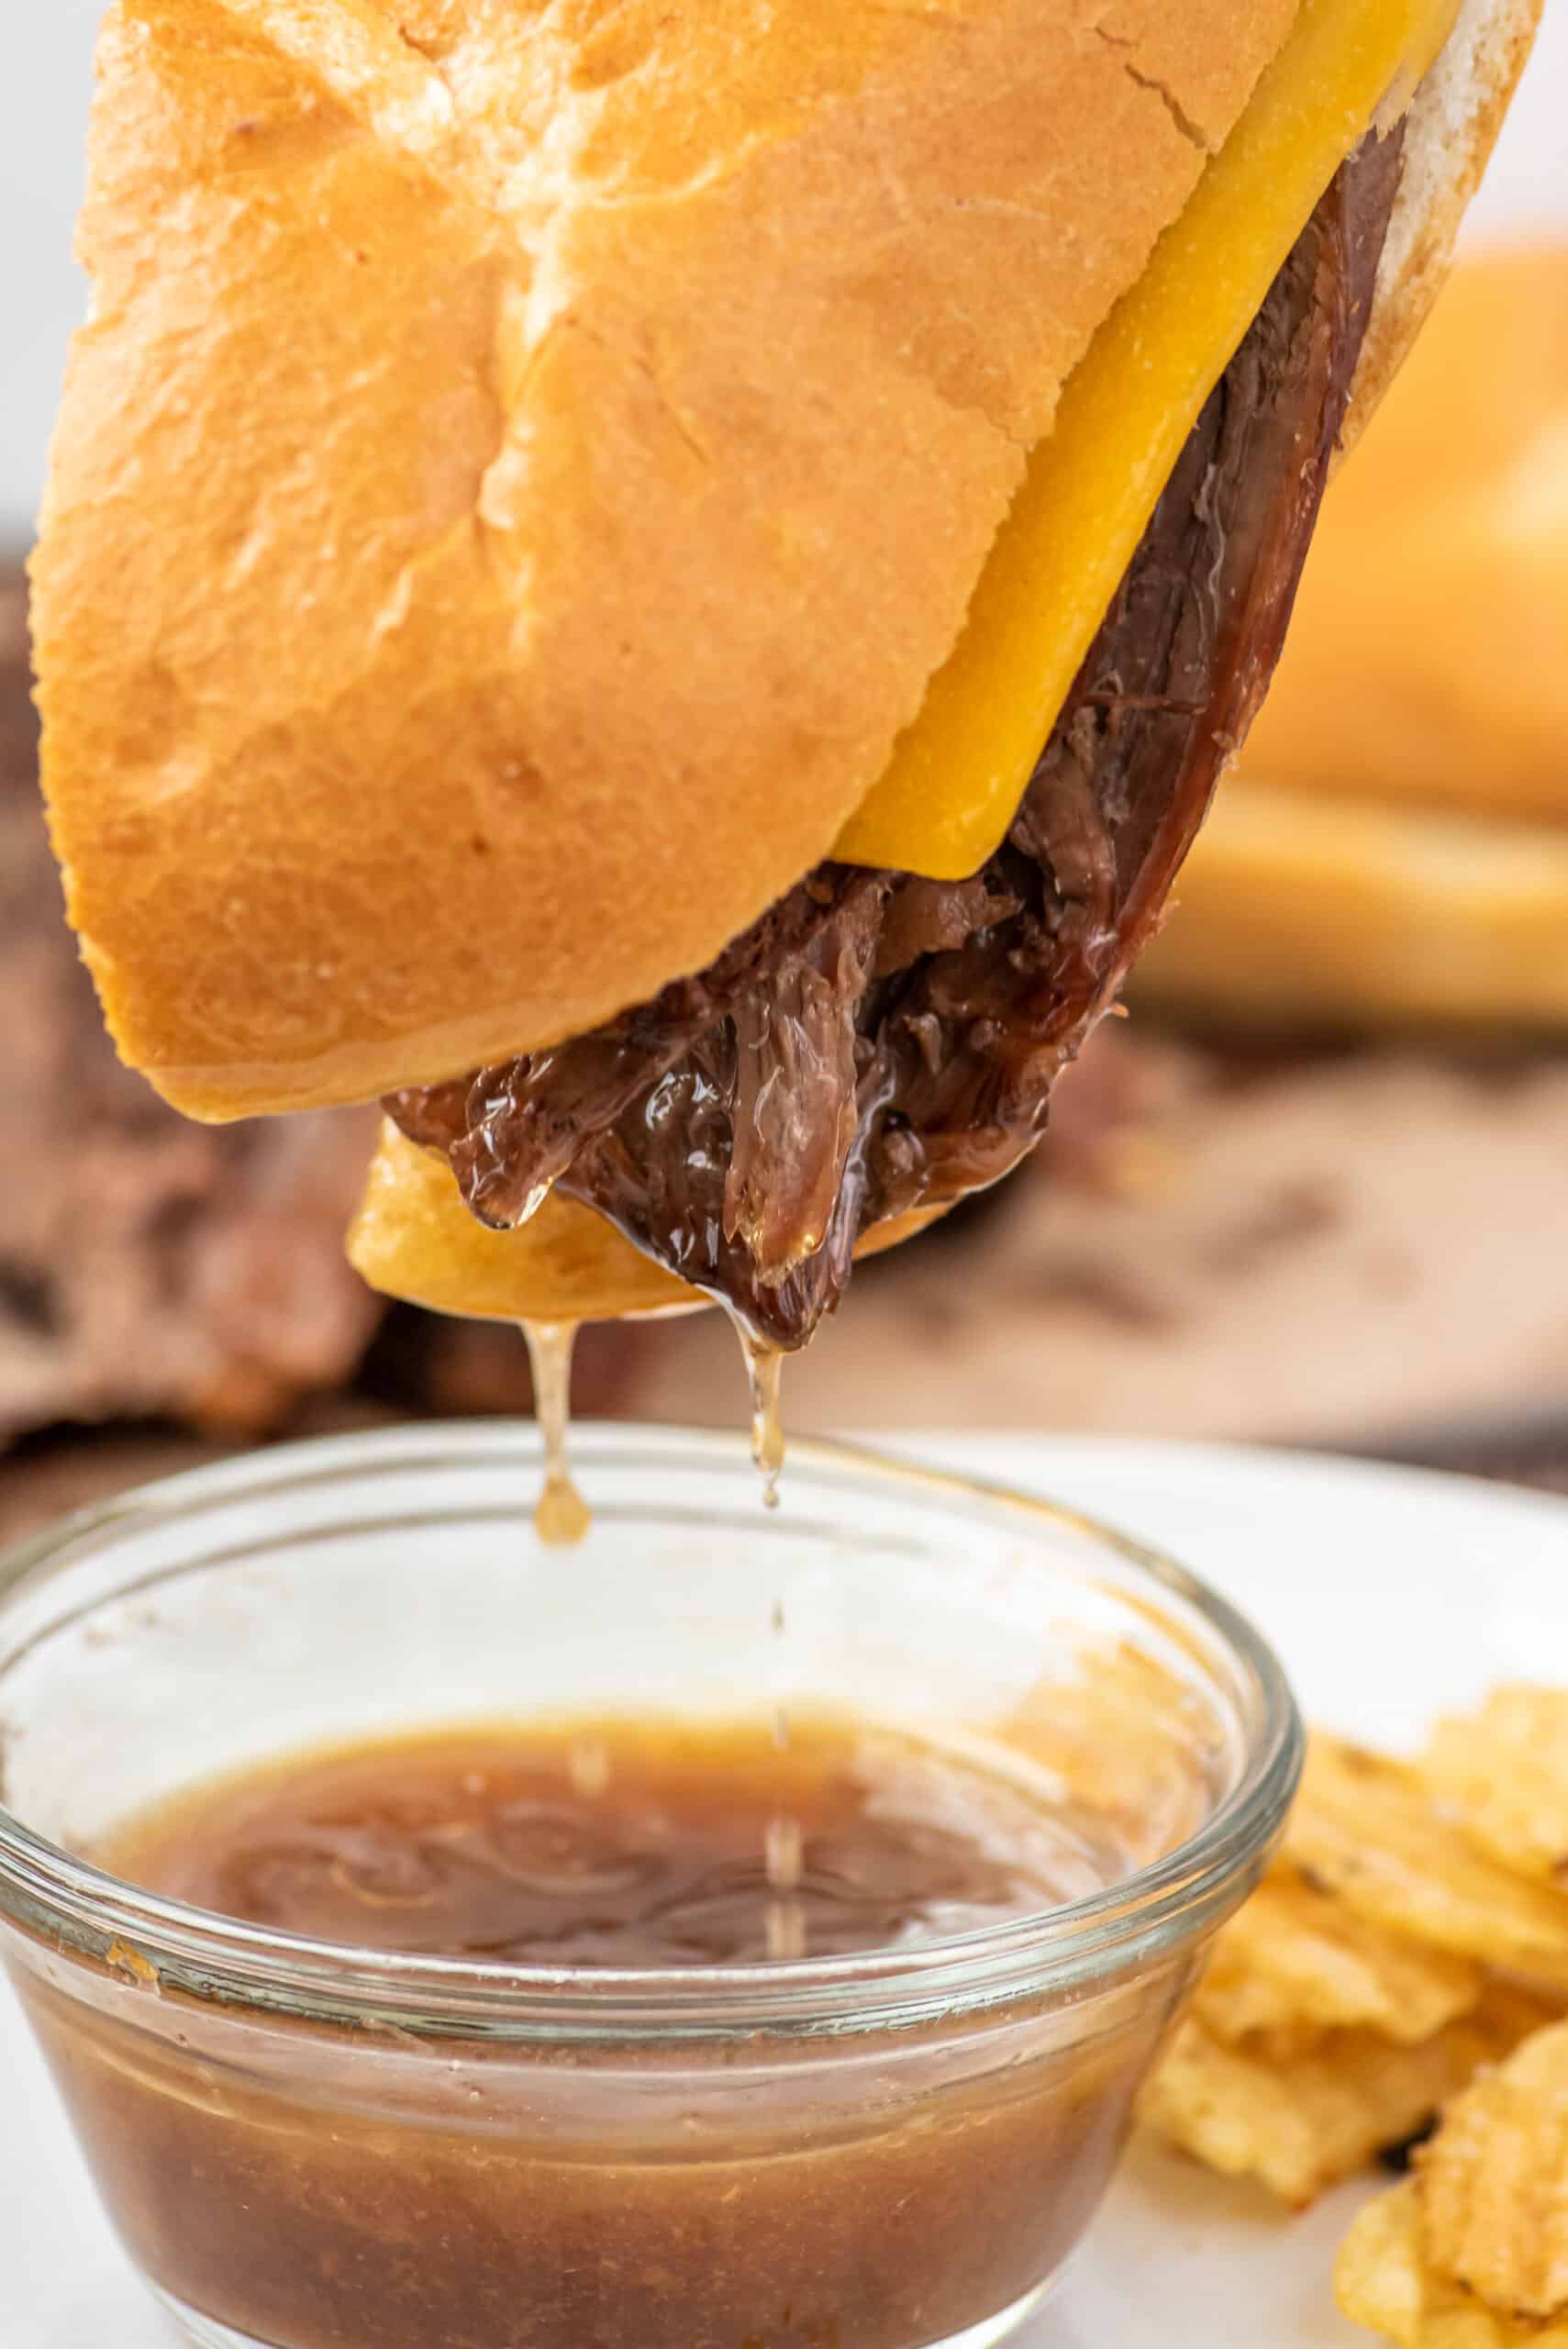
53, 1897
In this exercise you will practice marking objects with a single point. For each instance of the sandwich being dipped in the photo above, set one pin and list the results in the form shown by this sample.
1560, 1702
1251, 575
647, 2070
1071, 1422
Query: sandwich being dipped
666, 587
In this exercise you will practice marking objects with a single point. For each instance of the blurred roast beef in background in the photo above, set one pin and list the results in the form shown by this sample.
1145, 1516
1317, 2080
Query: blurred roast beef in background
149, 1268
169, 1291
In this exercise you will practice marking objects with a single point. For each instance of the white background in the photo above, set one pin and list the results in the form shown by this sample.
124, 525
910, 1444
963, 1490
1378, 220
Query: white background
45, 77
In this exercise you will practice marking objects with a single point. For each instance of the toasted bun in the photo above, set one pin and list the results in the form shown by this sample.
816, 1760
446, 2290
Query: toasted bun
517, 483
414, 1238
1396, 846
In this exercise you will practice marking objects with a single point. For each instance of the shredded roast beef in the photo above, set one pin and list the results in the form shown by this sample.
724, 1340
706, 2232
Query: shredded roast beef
879, 1044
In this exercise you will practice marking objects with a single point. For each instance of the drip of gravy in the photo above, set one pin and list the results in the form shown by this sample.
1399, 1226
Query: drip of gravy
781, 1846
783, 1861
764, 1370
562, 1517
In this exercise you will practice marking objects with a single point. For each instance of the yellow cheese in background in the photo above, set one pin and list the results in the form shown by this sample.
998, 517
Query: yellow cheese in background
959, 772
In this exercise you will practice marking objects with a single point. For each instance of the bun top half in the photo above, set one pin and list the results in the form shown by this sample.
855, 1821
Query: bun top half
524, 464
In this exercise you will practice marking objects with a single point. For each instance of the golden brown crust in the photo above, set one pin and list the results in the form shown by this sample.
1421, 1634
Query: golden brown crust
413, 1239
523, 470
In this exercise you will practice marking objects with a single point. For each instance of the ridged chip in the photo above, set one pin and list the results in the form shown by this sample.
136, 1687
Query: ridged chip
1370, 1830
1378, 2278
1504, 1770
1299, 1955
1382, 2280
1300, 2111
1494, 2183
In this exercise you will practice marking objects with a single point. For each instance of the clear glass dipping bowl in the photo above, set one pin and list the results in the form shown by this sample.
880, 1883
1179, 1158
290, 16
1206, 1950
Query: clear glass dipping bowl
315, 2148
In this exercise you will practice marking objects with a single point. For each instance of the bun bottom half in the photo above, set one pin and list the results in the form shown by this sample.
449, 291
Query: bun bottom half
415, 1240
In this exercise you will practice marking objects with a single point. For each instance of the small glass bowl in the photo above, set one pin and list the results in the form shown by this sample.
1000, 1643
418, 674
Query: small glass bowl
307, 2147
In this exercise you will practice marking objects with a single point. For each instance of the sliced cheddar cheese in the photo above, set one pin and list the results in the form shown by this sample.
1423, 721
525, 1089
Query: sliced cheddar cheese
959, 772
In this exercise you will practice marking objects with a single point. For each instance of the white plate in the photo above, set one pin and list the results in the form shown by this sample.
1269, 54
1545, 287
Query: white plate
1389, 1593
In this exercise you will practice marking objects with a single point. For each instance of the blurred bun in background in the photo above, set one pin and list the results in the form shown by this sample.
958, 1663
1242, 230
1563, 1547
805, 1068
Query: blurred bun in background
148, 1269
1394, 846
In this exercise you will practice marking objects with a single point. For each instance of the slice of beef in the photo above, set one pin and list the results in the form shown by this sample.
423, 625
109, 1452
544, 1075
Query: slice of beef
513, 1130
880, 1045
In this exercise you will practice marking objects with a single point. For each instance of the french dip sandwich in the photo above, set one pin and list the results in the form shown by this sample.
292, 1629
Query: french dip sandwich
666, 586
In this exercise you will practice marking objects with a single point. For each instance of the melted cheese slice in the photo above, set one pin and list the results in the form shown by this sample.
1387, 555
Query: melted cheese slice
959, 772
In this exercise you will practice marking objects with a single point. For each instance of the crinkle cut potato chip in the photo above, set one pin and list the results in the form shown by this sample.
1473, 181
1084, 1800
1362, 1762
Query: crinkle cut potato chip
1301, 2111
1299, 1955
1383, 2281
1494, 2183
1370, 1830
1504, 1770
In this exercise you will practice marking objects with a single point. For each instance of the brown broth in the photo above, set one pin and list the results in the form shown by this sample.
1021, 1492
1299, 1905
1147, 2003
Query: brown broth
888, 2184
623, 1844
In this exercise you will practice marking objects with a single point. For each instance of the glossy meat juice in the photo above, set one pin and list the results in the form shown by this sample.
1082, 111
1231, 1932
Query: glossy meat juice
897, 2181
562, 1517
623, 1844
